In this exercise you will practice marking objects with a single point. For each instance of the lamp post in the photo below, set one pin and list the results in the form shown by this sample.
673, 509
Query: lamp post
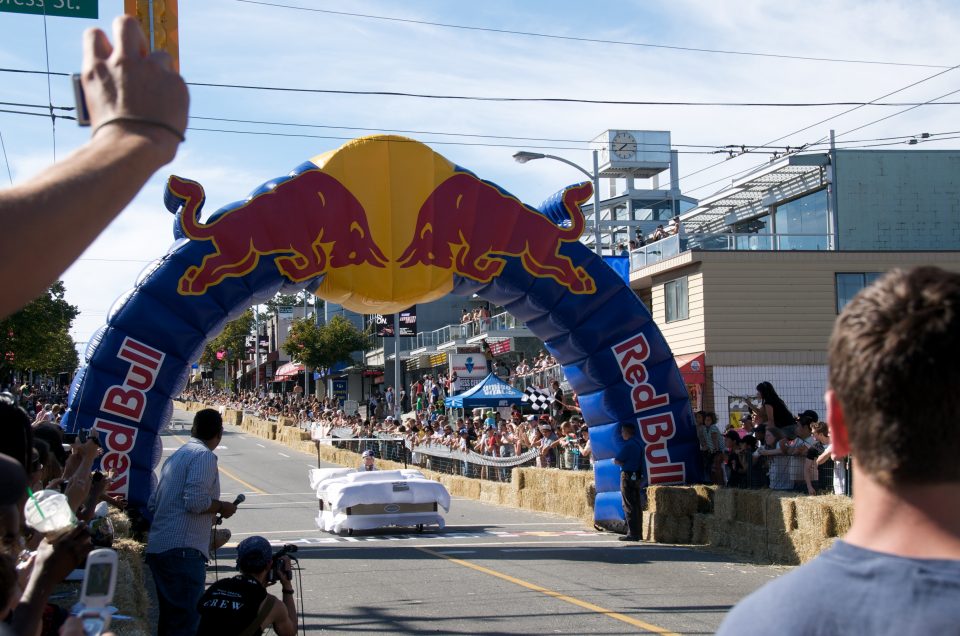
524, 156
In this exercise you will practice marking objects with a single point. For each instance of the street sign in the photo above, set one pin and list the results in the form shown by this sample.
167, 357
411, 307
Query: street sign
58, 8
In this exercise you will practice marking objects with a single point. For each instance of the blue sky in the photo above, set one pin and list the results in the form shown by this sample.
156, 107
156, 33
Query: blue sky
235, 42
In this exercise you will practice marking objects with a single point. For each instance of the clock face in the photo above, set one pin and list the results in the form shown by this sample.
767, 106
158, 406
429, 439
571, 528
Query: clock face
624, 145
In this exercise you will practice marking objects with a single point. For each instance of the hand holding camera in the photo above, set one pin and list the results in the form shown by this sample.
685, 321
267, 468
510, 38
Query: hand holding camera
282, 569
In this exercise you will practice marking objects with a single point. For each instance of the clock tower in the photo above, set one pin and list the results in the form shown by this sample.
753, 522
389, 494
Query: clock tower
633, 153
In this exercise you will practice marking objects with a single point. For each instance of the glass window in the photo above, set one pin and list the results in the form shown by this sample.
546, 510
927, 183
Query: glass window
802, 223
753, 234
850, 283
676, 299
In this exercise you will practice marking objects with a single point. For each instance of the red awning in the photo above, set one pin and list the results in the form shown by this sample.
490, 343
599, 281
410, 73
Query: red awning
287, 372
692, 367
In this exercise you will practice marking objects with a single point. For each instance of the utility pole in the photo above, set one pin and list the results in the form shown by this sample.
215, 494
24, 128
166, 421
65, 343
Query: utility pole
396, 365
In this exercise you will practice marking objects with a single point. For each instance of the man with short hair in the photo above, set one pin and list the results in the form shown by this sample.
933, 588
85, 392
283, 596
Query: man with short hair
891, 403
183, 507
630, 460
241, 604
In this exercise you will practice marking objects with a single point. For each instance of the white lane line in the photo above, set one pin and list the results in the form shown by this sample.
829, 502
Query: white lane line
282, 455
457, 551
247, 534
532, 523
537, 549
221, 447
273, 494
260, 445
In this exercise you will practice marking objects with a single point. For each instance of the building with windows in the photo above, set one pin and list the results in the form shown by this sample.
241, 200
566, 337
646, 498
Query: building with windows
751, 284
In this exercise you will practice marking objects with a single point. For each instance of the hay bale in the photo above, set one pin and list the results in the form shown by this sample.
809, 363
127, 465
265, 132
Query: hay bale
749, 539
724, 506
781, 513
814, 516
131, 594
121, 523
750, 507
807, 545
842, 509
781, 551
672, 500
532, 500
718, 531
684, 529
700, 532
704, 497
646, 520
661, 528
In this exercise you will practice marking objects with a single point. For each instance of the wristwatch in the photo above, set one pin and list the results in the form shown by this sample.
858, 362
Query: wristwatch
290, 591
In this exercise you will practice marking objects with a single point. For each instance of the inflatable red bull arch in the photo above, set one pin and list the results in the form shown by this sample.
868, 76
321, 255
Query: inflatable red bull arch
378, 225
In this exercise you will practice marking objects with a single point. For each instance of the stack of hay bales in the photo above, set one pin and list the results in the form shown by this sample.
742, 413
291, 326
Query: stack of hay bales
232, 416
819, 521
700, 534
669, 515
533, 495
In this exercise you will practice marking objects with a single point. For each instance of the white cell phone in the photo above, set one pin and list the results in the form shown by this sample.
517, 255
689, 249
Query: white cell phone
99, 579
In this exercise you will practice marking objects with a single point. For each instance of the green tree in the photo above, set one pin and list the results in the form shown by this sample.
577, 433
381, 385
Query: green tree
292, 300
323, 346
37, 338
232, 341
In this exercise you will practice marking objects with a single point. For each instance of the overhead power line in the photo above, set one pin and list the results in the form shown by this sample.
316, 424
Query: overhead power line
541, 100
555, 100
571, 38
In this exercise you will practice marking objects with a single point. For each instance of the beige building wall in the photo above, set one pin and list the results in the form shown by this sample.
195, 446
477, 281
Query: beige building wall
763, 307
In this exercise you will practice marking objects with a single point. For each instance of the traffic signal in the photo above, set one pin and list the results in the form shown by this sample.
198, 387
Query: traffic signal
158, 19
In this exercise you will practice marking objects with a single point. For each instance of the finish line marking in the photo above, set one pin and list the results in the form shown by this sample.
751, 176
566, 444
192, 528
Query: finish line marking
557, 595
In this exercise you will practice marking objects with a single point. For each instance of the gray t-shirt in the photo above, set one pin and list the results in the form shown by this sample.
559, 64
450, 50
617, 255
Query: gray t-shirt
850, 590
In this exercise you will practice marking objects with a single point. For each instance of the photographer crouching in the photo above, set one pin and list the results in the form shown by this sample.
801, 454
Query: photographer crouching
241, 604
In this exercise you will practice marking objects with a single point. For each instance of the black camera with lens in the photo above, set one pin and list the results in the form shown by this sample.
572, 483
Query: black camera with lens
286, 551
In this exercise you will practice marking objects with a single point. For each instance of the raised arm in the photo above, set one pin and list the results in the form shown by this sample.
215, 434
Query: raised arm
138, 110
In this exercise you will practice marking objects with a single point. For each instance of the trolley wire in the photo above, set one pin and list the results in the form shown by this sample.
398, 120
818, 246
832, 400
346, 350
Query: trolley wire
554, 36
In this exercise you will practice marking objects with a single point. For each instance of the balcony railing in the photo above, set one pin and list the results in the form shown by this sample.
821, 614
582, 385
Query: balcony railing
451, 333
726, 242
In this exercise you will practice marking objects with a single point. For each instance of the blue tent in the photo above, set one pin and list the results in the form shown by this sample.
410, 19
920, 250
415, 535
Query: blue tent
492, 391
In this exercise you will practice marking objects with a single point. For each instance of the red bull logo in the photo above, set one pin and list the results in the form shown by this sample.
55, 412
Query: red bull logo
326, 228
468, 225
388, 222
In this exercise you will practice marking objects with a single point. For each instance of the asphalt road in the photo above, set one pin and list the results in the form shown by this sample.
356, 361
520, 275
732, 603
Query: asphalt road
492, 570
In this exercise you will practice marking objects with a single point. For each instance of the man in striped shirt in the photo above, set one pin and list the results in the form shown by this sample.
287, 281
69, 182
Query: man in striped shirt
183, 507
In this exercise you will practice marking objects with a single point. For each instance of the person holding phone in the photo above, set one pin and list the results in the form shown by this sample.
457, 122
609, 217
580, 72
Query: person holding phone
138, 113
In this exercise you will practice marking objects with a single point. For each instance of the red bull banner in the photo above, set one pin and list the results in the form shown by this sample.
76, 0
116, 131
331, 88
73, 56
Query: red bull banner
379, 225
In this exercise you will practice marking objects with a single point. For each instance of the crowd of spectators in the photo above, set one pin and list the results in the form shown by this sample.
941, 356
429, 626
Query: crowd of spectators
541, 362
770, 449
36, 456
479, 315
560, 436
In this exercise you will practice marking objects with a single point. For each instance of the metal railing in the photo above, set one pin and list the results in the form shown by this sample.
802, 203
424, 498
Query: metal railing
671, 246
458, 332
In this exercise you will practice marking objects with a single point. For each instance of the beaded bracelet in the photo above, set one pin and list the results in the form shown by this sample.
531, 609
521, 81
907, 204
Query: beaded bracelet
140, 120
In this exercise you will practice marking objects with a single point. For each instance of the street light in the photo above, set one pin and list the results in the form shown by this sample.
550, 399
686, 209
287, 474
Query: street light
524, 156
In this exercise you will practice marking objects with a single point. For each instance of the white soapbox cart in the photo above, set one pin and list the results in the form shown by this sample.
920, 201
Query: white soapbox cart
363, 500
